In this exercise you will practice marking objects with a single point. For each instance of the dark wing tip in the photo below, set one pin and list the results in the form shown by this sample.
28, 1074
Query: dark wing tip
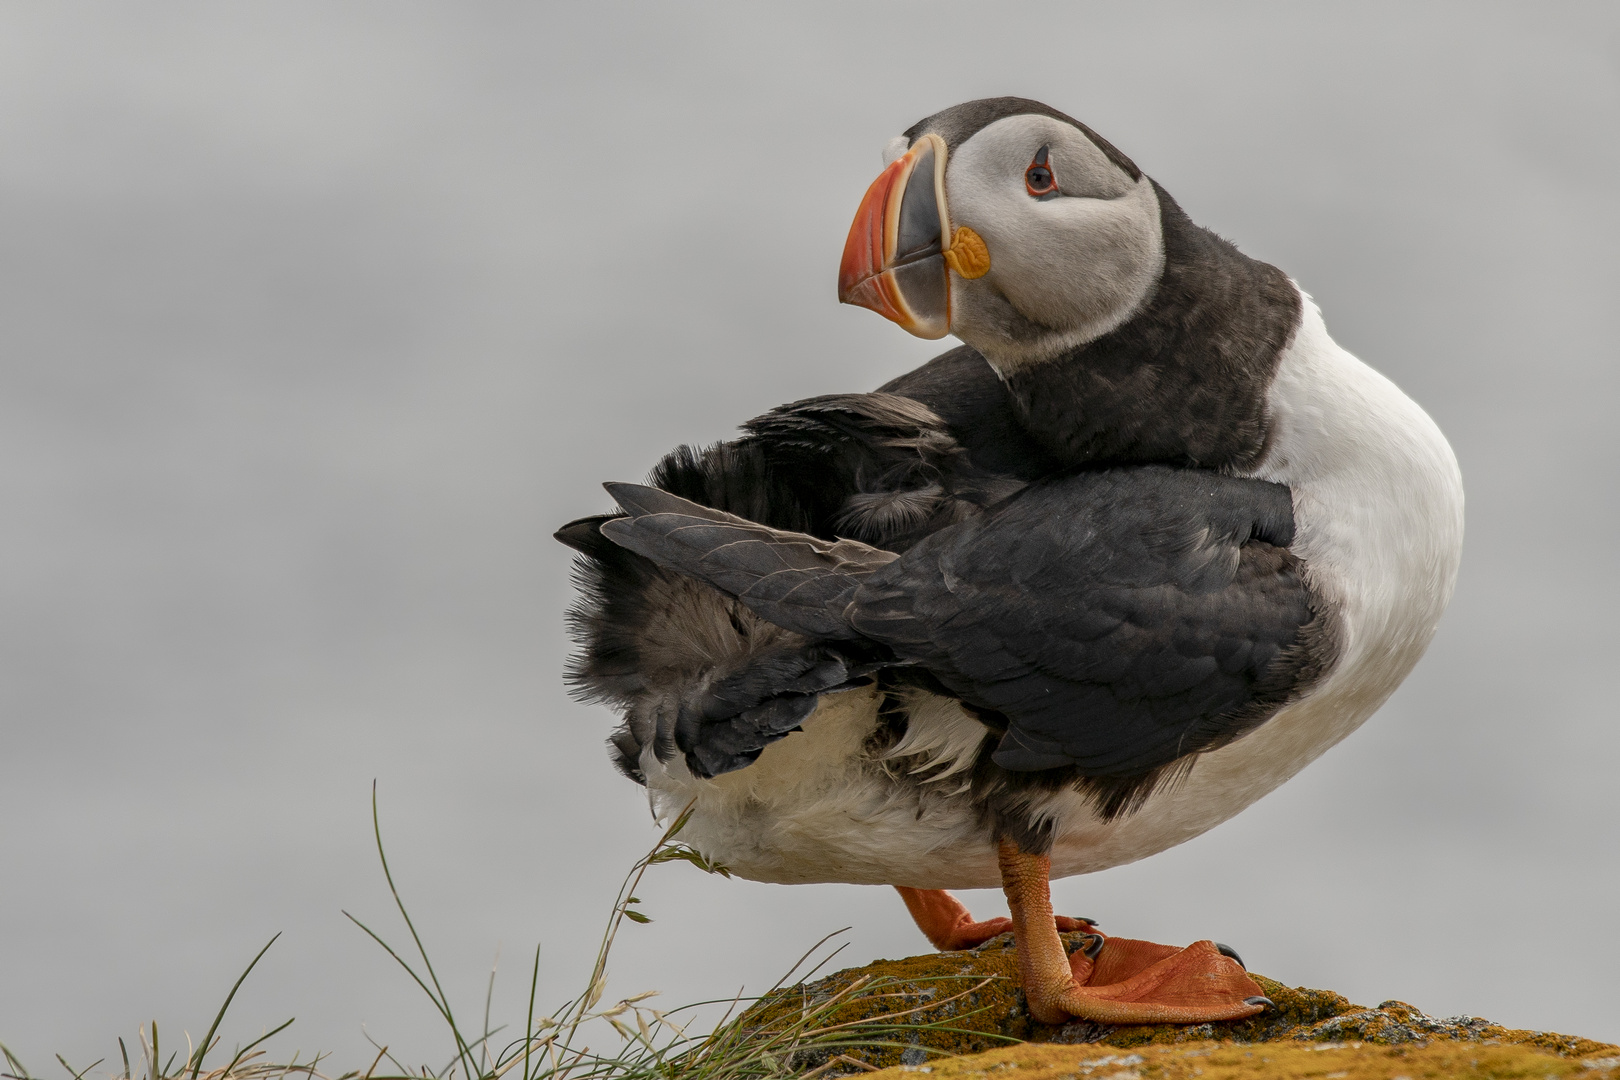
584, 534
1016, 755
641, 500
632, 497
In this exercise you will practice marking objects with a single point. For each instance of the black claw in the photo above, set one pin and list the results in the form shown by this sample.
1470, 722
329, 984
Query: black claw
1259, 1000
1090, 944
1227, 950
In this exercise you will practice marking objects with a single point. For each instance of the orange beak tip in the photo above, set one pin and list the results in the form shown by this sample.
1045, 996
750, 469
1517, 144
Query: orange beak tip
871, 294
869, 275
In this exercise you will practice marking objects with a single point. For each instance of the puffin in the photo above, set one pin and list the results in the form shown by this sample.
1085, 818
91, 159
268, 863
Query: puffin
1138, 550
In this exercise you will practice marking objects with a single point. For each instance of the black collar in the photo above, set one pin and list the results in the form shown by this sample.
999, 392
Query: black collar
1182, 382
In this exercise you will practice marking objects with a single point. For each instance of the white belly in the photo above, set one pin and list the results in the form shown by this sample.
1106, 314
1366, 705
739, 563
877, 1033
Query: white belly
1378, 524
818, 805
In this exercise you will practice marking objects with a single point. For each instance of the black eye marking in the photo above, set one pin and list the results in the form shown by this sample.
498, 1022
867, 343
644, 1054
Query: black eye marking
1038, 178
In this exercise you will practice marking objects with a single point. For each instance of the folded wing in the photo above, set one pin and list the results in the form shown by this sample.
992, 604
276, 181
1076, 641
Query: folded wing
1118, 620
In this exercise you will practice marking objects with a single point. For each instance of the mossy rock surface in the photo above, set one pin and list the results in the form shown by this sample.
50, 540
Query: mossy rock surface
1208, 1060
947, 1005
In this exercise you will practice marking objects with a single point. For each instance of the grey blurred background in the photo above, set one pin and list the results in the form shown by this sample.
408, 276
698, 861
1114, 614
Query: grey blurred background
316, 319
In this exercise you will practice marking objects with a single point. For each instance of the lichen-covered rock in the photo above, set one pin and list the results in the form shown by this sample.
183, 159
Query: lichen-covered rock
1263, 1061
939, 1004
917, 1012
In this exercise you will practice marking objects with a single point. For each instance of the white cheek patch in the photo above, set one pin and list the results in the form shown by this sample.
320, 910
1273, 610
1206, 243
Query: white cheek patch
1080, 264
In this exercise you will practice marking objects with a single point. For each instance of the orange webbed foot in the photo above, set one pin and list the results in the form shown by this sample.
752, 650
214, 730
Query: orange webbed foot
1116, 980
1126, 981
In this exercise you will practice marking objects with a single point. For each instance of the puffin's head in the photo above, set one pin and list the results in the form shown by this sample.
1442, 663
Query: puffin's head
1008, 224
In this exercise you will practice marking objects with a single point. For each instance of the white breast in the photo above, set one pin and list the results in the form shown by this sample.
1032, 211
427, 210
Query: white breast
1378, 524
1378, 511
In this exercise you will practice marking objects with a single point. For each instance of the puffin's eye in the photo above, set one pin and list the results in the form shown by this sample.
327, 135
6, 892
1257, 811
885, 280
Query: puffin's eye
1038, 178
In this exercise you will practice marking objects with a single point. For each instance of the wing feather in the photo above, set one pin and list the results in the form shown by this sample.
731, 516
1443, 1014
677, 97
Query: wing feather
1118, 619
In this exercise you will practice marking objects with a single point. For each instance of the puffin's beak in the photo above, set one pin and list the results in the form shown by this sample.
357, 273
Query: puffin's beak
895, 260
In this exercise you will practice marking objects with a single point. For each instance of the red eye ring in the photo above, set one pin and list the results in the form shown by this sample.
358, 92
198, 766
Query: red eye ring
1039, 179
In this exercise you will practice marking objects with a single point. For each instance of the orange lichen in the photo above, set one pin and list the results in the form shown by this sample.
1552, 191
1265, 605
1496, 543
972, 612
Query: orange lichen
1236, 1061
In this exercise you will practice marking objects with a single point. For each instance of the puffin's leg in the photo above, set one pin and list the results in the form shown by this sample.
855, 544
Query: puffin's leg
946, 924
949, 926
1145, 983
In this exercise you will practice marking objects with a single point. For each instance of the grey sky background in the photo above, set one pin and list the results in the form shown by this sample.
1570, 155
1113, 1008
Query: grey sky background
316, 319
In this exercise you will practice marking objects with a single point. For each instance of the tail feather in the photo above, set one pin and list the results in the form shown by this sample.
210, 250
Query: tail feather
794, 580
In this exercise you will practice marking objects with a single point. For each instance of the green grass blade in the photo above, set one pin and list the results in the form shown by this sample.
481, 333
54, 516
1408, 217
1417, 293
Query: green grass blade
382, 1051
442, 1001
240, 1053
528, 1023
400, 960
202, 1049
78, 1074
489, 996
17, 1068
